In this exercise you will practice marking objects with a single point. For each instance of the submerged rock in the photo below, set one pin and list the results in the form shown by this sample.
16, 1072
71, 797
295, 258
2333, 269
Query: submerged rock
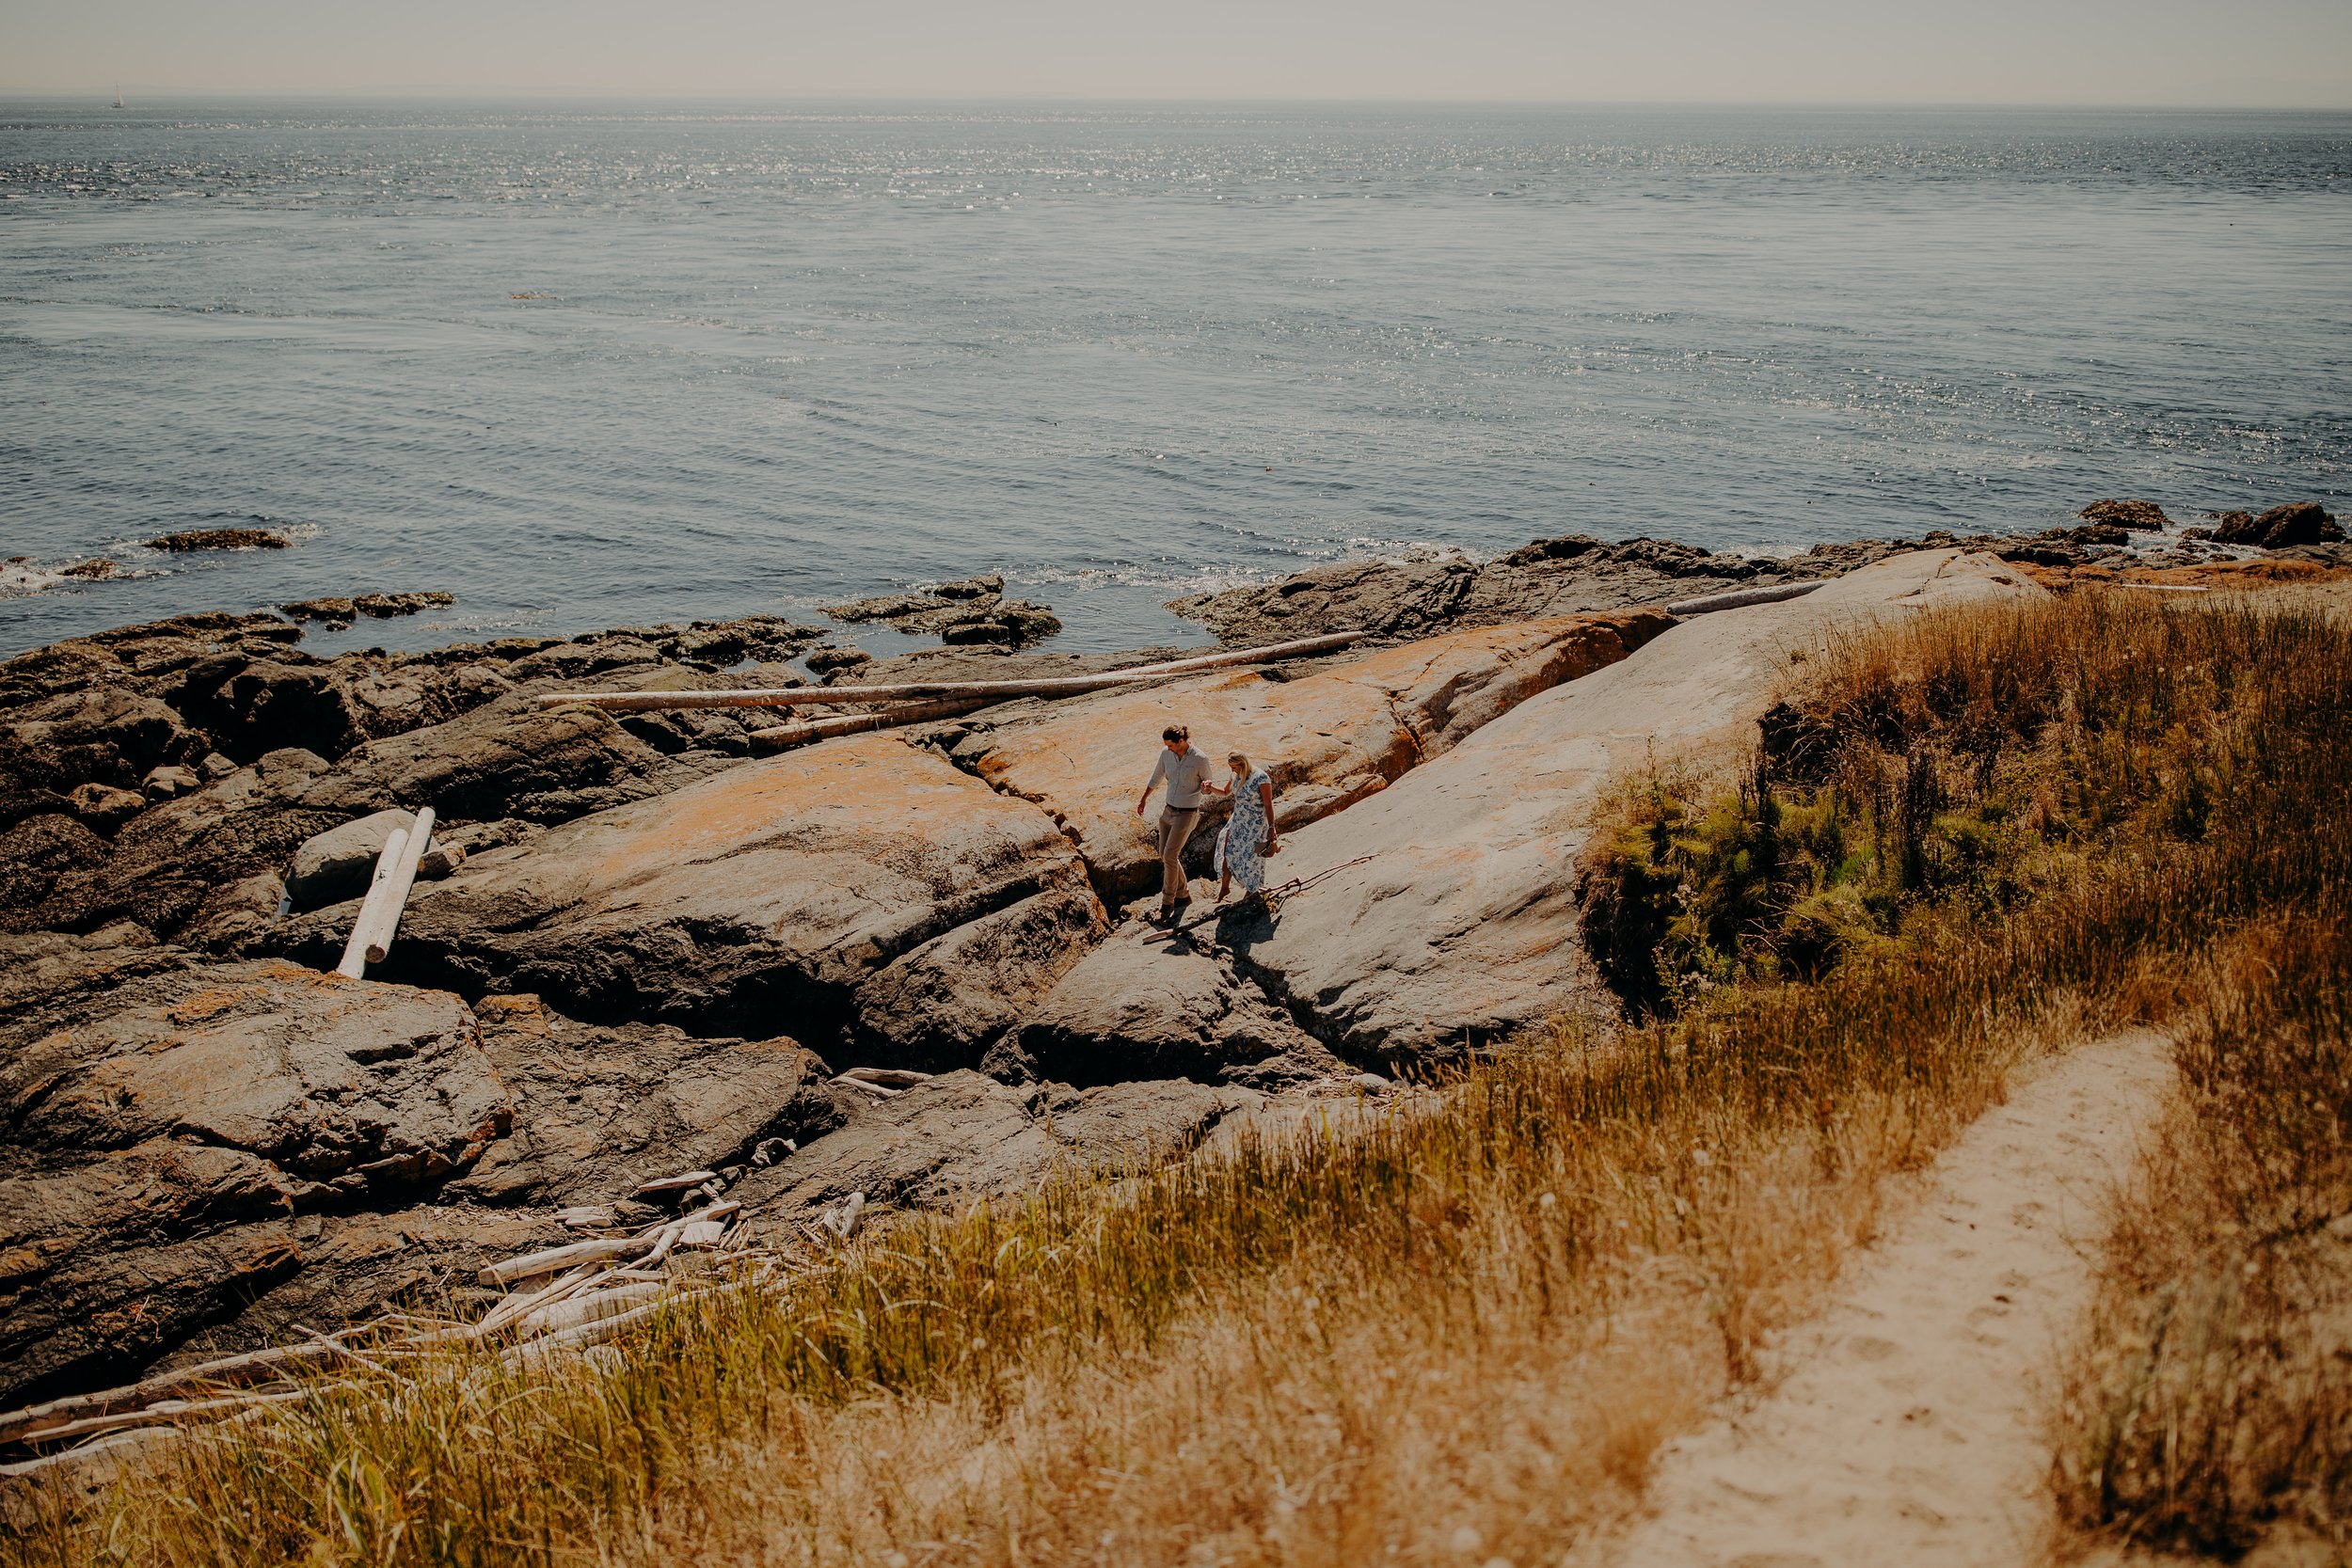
219, 539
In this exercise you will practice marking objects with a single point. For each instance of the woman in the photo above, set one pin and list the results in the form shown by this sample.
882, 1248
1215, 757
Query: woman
1250, 834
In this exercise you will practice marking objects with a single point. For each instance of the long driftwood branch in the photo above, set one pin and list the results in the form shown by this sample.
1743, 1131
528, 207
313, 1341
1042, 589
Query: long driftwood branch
1740, 598
778, 737
1051, 686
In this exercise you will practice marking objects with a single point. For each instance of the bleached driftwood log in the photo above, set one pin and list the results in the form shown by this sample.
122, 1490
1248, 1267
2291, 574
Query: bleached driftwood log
778, 737
396, 887
1739, 599
355, 962
1050, 685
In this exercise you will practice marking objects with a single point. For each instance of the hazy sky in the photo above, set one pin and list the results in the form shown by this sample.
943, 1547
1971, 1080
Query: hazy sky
2282, 53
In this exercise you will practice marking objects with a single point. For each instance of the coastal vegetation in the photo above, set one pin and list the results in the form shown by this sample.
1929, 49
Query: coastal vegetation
1455, 1330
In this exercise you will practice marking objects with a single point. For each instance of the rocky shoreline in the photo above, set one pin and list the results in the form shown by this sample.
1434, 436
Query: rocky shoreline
651, 949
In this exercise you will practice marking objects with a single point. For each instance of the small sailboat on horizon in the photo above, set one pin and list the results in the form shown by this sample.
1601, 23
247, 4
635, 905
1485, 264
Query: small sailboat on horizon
119, 102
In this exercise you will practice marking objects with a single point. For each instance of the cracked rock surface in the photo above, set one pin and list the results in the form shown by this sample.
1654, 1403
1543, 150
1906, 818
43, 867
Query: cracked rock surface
864, 895
1331, 735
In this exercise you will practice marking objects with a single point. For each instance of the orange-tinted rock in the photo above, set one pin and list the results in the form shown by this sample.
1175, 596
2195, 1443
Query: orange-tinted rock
1329, 738
862, 892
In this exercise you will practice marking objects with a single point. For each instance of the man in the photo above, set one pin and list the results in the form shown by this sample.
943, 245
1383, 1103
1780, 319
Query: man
1185, 772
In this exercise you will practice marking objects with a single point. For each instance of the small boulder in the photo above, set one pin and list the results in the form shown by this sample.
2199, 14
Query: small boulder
826, 660
162, 783
214, 765
335, 864
103, 808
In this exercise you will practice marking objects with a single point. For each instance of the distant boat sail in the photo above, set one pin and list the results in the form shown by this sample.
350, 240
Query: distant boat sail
118, 104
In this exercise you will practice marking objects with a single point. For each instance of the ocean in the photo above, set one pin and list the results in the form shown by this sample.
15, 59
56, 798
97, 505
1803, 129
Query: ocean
587, 365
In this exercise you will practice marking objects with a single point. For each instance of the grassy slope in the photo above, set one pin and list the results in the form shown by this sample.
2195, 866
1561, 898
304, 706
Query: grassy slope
1460, 1334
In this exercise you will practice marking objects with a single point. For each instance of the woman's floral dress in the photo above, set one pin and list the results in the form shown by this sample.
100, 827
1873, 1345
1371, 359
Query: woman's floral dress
1238, 847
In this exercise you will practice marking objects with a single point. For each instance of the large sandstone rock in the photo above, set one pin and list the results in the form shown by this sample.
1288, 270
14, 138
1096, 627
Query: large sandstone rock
158, 1132
1331, 736
600, 1111
1464, 926
861, 893
962, 1136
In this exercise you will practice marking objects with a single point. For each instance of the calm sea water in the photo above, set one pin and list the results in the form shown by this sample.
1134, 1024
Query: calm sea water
588, 366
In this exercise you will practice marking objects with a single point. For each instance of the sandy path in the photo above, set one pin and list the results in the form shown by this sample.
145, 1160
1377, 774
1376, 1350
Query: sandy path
1906, 1429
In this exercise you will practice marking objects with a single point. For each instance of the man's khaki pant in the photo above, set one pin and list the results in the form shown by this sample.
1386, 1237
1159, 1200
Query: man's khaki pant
1175, 827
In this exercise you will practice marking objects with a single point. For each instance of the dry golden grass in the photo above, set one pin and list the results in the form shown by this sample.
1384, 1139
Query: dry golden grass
2209, 1399
1455, 1335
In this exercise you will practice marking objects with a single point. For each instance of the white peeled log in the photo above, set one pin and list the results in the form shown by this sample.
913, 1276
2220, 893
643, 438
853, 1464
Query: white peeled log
1740, 598
587, 1307
780, 737
888, 1077
685, 1182
355, 962
532, 1264
396, 890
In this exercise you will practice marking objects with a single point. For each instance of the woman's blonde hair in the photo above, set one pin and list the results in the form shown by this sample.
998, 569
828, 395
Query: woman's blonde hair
1239, 763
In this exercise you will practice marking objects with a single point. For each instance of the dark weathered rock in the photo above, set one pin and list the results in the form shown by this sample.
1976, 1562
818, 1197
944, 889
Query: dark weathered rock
2144, 515
959, 613
103, 808
93, 735
250, 705
861, 893
1148, 1004
2280, 528
825, 660
107, 1265
600, 1111
158, 1132
2091, 534
38, 968
962, 1136
1567, 576
38, 853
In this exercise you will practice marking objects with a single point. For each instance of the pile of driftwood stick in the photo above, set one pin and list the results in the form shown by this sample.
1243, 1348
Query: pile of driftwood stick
549, 1302
919, 702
